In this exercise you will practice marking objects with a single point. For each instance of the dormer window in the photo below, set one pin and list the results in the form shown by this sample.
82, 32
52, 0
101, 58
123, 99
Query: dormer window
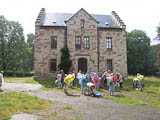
54, 22
106, 23
82, 23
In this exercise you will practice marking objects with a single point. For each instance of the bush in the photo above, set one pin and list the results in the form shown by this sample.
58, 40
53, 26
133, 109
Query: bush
17, 73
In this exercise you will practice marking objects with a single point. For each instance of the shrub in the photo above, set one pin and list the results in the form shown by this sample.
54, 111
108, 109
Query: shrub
17, 73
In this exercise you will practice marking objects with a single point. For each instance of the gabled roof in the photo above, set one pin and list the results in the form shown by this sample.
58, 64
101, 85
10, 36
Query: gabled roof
85, 12
59, 19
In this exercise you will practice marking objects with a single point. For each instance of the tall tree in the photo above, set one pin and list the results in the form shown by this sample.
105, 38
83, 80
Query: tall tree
30, 41
158, 33
14, 50
66, 63
3, 41
139, 53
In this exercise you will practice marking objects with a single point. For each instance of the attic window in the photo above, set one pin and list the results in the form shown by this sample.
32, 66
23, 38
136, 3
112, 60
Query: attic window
106, 23
82, 23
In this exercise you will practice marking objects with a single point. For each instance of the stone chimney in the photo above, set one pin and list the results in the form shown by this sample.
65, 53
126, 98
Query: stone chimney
40, 17
117, 20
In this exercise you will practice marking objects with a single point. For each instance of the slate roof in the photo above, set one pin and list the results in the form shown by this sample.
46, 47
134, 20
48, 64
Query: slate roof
58, 19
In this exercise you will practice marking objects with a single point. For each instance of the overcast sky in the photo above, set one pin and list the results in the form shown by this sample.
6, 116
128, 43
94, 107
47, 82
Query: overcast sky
136, 14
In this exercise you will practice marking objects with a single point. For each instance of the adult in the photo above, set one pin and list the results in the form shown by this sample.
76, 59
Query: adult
1, 79
82, 82
67, 80
104, 78
96, 81
111, 86
59, 77
62, 77
91, 88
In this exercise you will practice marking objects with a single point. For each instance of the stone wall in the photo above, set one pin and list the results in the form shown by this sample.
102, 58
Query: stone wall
43, 51
90, 29
118, 54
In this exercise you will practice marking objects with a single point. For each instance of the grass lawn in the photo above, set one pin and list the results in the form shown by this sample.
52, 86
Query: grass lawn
128, 95
150, 95
11, 103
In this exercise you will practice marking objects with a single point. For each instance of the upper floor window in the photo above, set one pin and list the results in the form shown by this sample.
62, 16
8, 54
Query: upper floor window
109, 65
54, 42
82, 23
86, 42
53, 65
78, 42
109, 43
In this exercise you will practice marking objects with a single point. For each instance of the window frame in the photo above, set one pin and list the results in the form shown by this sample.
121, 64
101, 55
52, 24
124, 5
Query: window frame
53, 65
109, 43
78, 42
110, 65
54, 42
82, 23
87, 42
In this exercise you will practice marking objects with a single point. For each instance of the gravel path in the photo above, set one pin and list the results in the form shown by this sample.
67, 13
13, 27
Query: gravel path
82, 107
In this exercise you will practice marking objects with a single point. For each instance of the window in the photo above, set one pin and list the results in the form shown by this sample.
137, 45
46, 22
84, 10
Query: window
109, 43
109, 65
78, 42
53, 65
86, 42
82, 23
54, 42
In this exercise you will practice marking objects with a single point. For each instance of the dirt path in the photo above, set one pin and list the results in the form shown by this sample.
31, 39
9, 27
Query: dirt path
84, 107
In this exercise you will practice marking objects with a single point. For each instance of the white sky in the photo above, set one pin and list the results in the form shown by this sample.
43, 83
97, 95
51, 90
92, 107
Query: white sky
136, 14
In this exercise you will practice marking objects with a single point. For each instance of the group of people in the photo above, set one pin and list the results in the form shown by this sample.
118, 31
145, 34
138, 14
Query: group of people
89, 80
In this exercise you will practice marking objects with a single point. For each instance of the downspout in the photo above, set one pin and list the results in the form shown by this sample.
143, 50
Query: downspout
98, 49
65, 36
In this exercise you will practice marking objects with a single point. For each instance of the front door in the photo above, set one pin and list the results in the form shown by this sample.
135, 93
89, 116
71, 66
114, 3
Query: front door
82, 64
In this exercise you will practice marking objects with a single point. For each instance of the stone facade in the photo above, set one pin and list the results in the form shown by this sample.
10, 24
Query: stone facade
96, 56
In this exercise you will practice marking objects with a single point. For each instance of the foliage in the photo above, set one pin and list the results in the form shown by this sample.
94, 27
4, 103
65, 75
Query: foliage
66, 63
140, 54
158, 33
11, 103
157, 62
17, 73
30, 41
14, 50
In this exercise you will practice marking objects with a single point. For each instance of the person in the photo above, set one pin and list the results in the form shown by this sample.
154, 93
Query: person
87, 76
120, 81
96, 81
111, 86
67, 80
117, 79
1, 79
77, 78
91, 88
59, 77
104, 78
82, 82
62, 77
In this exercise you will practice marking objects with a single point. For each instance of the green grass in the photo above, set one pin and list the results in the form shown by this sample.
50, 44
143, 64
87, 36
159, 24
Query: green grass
129, 96
20, 80
13, 102
67, 107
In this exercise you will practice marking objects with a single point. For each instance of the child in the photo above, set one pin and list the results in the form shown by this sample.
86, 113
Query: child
91, 88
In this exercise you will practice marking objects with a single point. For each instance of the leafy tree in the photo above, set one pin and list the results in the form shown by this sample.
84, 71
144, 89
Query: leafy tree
3, 41
158, 33
30, 41
66, 63
14, 50
139, 53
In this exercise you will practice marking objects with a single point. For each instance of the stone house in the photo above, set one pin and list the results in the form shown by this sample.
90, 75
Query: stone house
96, 42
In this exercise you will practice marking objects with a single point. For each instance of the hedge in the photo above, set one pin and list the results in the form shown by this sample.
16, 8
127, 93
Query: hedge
17, 73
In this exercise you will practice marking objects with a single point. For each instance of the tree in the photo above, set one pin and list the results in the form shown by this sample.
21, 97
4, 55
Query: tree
14, 50
139, 53
66, 63
3, 41
30, 41
158, 33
